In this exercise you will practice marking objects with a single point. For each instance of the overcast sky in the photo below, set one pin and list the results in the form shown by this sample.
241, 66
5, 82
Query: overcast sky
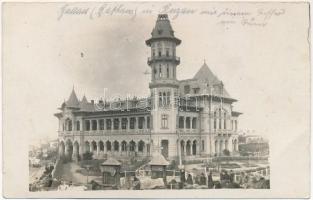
262, 60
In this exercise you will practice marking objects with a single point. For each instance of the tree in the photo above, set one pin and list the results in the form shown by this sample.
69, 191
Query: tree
87, 156
226, 152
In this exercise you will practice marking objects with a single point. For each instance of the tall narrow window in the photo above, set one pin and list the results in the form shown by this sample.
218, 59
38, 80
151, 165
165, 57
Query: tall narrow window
164, 121
181, 122
214, 120
167, 52
132, 123
94, 125
160, 54
69, 125
101, 124
167, 71
155, 72
141, 121
148, 122
78, 125
109, 124
168, 98
160, 99
87, 123
160, 71
124, 123
187, 122
116, 124
224, 120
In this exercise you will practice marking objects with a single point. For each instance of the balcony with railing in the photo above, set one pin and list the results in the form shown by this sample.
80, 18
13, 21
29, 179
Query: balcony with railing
105, 132
224, 132
164, 58
187, 131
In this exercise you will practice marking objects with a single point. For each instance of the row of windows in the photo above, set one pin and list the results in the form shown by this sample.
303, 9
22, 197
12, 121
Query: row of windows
187, 122
233, 124
115, 124
159, 52
159, 73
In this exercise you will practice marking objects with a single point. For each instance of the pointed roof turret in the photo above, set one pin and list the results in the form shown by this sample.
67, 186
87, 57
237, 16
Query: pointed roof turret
205, 74
163, 30
84, 100
72, 101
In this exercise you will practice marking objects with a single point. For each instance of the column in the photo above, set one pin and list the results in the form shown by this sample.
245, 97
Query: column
98, 148
146, 124
185, 151
184, 123
136, 123
128, 123
112, 123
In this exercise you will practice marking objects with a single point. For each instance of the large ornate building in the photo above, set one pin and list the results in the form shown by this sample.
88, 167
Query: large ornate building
183, 119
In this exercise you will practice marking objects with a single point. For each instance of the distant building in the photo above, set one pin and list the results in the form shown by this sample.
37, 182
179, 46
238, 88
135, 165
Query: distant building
181, 118
253, 145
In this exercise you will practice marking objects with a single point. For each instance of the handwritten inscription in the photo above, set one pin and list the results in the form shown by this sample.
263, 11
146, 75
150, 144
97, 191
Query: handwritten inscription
224, 16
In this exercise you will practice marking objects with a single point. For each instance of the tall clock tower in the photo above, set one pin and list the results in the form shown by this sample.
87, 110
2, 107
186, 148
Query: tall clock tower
163, 85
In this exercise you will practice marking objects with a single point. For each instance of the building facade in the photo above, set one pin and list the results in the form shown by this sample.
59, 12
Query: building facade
183, 119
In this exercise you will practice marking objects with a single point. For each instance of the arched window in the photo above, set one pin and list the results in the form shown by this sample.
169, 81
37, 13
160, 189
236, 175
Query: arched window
69, 125
124, 147
108, 144
101, 145
132, 146
141, 145
116, 145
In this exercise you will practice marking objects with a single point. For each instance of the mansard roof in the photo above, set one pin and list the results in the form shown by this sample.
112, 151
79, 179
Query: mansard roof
163, 30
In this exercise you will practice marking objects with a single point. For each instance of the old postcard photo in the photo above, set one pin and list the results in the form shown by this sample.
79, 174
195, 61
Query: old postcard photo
156, 99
